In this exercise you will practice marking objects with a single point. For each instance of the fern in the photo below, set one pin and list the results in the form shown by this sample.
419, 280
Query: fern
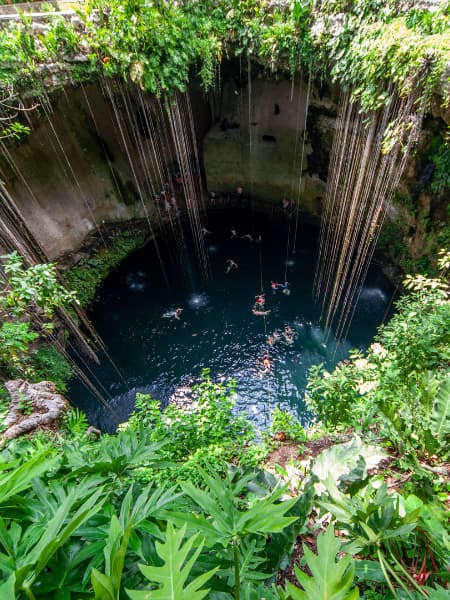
331, 580
174, 573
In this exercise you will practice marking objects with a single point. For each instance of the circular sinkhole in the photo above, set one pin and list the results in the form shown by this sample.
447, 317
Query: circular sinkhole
161, 331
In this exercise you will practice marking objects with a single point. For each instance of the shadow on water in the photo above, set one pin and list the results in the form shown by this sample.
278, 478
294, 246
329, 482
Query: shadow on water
216, 328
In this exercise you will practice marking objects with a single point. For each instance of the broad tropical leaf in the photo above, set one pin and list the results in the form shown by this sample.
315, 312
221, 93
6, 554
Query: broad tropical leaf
440, 421
331, 579
174, 573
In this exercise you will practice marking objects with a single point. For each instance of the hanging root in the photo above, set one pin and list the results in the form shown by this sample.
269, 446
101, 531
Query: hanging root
33, 405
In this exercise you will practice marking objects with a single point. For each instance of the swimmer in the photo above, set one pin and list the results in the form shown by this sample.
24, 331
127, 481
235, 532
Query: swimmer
260, 313
260, 299
247, 236
288, 339
270, 340
231, 265
285, 288
288, 335
274, 286
173, 313
266, 364
233, 234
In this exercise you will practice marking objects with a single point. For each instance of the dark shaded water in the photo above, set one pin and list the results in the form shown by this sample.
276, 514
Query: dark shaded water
217, 328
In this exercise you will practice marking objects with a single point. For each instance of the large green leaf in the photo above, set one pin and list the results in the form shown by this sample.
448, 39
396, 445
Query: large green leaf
19, 477
331, 579
440, 421
224, 518
173, 575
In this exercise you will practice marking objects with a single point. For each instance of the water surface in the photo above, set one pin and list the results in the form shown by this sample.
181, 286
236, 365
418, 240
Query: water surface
217, 329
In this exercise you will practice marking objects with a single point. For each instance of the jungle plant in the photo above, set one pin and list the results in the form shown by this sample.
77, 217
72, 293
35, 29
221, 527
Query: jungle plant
34, 288
236, 529
199, 434
331, 579
173, 574
284, 423
28, 302
388, 528
15, 340
400, 388
441, 160
133, 512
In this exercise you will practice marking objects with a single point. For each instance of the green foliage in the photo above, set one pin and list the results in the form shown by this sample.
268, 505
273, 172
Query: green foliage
160, 45
203, 433
375, 47
284, 422
389, 528
15, 131
399, 387
173, 574
86, 276
229, 522
49, 364
15, 340
27, 305
331, 579
35, 287
441, 160
75, 423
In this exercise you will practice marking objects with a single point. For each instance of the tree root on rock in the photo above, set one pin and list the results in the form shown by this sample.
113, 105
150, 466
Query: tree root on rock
41, 399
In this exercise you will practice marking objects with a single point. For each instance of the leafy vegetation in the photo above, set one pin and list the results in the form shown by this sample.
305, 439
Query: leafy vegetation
27, 305
95, 519
177, 504
86, 276
366, 44
399, 389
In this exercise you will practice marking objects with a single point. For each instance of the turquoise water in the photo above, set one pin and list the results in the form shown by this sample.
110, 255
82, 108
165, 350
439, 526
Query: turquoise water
217, 329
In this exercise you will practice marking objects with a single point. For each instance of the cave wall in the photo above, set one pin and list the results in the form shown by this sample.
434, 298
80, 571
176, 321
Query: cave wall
72, 174
260, 149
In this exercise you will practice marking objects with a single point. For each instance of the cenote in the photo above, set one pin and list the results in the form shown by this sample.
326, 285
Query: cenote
217, 330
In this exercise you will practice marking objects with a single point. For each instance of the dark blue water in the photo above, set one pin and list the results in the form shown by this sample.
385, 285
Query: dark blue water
217, 328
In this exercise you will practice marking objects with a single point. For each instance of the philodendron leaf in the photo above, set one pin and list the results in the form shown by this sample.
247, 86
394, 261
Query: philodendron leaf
331, 579
440, 421
174, 573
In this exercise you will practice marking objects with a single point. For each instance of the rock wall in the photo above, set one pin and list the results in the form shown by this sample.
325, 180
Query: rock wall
73, 174
261, 148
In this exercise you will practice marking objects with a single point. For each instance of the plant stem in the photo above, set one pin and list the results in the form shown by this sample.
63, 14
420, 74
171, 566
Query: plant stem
386, 576
237, 574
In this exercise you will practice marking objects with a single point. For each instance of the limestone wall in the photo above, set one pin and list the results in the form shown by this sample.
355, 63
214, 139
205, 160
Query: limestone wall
261, 149
73, 173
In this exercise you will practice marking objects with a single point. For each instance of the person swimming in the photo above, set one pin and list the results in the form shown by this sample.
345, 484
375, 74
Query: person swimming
260, 302
173, 313
266, 364
231, 265
285, 288
288, 335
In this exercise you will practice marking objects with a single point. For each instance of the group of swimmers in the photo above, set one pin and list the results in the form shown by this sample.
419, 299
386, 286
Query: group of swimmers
284, 287
286, 337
